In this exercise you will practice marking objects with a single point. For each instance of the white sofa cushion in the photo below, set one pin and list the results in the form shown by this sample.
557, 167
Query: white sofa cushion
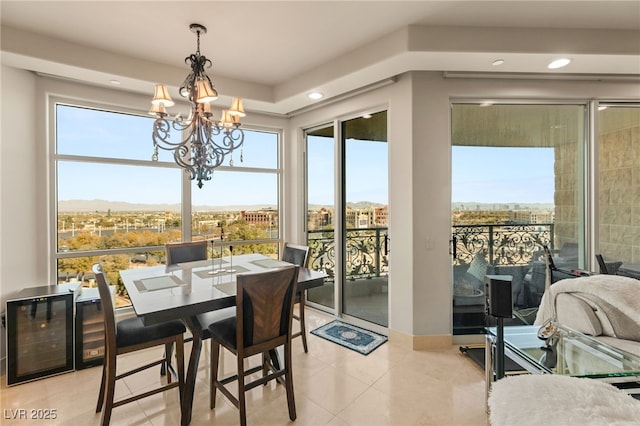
576, 313
550, 399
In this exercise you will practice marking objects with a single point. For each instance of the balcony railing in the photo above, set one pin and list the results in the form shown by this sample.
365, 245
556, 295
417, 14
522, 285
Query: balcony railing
502, 244
366, 254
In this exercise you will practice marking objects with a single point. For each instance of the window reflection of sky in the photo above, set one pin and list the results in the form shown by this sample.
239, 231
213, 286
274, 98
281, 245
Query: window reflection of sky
366, 167
95, 133
502, 175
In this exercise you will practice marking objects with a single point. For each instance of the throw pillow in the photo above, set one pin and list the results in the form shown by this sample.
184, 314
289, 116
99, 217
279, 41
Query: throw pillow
478, 267
463, 288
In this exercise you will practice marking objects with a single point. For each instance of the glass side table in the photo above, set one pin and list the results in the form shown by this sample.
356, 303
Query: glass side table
568, 352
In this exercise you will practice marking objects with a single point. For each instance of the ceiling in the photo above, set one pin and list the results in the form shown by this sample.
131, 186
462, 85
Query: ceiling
273, 53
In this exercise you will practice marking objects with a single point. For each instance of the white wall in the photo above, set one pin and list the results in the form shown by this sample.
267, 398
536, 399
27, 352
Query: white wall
19, 265
18, 233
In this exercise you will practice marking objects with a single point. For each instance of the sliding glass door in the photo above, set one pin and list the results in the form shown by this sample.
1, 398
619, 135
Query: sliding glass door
321, 212
347, 226
618, 147
517, 186
365, 208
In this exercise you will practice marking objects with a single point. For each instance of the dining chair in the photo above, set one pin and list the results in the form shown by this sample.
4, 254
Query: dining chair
188, 251
298, 255
264, 310
131, 335
609, 268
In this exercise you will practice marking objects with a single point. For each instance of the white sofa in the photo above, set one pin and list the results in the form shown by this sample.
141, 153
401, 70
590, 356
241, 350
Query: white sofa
553, 400
604, 306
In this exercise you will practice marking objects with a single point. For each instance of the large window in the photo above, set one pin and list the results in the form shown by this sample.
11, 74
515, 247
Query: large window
517, 186
114, 205
618, 142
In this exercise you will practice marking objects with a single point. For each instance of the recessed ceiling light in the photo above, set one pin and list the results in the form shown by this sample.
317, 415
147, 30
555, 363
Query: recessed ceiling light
315, 95
486, 104
366, 115
559, 63
114, 82
602, 107
497, 62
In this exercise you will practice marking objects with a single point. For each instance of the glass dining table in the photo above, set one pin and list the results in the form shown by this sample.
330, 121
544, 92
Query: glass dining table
185, 290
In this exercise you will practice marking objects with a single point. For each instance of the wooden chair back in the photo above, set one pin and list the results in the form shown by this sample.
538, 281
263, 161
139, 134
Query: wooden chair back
296, 254
264, 304
186, 252
110, 348
602, 264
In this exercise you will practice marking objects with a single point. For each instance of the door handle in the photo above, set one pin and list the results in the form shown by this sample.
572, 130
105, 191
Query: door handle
454, 247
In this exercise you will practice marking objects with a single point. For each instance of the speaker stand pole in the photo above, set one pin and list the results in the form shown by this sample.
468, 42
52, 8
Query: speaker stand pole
500, 350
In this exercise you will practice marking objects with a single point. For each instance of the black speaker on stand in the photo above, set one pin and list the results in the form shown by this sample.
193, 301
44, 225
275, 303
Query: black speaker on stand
499, 304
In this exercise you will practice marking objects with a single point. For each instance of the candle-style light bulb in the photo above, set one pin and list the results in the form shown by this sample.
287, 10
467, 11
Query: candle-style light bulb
231, 270
221, 269
213, 266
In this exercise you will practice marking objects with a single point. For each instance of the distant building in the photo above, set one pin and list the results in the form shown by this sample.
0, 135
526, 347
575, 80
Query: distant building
527, 216
261, 217
369, 217
381, 216
520, 216
542, 217
320, 219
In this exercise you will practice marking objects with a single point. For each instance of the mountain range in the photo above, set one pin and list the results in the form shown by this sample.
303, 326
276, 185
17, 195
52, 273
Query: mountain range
80, 206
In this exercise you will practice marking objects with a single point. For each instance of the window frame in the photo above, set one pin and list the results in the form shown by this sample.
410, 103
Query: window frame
53, 158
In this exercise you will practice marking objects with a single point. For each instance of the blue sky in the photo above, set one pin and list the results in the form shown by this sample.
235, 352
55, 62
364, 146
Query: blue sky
479, 174
502, 175
96, 133
366, 166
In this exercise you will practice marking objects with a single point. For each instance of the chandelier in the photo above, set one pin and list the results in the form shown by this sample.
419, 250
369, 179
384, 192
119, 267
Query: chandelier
201, 142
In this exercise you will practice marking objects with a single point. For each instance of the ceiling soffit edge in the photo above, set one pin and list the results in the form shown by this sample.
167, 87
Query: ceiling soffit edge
411, 48
42, 54
523, 40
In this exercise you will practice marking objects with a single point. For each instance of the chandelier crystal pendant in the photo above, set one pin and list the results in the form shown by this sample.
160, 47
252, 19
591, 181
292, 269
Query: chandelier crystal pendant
202, 143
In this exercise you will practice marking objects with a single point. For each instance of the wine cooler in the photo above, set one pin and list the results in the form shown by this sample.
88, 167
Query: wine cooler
39, 332
89, 329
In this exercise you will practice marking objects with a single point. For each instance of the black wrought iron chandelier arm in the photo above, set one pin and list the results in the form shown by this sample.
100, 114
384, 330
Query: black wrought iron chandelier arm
232, 138
162, 133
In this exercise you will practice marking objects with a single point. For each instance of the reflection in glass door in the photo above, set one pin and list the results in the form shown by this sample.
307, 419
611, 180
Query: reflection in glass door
348, 232
517, 186
366, 287
618, 142
321, 239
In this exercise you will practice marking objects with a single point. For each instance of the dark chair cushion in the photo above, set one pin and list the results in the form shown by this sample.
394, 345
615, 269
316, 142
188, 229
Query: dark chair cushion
132, 331
208, 318
224, 331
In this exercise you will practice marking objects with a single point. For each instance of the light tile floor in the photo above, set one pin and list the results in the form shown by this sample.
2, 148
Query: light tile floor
333, 386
